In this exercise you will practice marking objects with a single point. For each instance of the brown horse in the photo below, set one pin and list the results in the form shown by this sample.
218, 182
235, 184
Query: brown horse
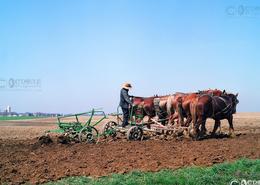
143, 106
151, 107
215, 107
183, 104
166, 106
172, 107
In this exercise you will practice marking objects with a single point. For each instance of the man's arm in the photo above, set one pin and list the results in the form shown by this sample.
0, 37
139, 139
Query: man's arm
126, 97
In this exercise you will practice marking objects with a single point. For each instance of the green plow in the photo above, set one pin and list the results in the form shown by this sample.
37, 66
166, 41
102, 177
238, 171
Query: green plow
76, 131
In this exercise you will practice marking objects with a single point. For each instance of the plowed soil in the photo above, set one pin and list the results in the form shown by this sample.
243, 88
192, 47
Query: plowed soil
24, 159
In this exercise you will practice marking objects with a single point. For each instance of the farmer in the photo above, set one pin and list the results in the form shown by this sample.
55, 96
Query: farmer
125, 102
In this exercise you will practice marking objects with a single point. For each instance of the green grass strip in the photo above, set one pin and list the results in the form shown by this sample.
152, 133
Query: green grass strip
7, 118
216, 175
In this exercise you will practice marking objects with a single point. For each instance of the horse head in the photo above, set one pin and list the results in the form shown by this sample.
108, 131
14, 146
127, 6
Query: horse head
234, 101
137, 100
143, 106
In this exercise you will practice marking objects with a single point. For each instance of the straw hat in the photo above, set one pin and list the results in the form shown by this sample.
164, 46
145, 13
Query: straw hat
127, 86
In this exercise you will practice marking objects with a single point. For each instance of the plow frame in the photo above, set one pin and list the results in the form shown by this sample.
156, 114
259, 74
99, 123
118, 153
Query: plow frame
136, 130
82, 132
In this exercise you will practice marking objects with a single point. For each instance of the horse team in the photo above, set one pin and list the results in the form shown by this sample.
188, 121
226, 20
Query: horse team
189, 109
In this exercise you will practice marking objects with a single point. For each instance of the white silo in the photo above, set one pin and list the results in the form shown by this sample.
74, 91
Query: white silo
8, 109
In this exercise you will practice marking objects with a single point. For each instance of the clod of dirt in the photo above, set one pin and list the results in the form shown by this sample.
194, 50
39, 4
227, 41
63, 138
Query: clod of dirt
63, 139
45, 140
14, 171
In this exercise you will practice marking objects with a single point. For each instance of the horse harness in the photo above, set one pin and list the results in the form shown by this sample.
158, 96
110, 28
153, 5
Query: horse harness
226, 110
158, 111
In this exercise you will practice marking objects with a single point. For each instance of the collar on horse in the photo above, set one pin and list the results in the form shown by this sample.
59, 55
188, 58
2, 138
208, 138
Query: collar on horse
158, 110
226, 110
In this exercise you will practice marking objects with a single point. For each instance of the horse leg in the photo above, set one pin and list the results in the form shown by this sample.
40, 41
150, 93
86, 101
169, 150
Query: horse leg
192, 130
203, 127
188, 121
193, 127
219, 130
149, 122
216, 126
171, 120
174, 117
231, 128
180, 114
196, 128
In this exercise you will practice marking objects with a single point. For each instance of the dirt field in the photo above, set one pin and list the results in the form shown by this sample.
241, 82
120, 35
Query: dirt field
23, 159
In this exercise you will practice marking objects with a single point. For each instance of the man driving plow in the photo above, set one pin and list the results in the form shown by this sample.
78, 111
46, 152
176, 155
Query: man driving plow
125, 103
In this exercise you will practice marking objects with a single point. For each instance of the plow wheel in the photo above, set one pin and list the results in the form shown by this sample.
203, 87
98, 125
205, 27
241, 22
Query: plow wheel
109, 129
135, 133
89, 135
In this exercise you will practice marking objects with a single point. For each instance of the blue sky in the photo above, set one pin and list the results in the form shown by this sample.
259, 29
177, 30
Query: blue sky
82, 51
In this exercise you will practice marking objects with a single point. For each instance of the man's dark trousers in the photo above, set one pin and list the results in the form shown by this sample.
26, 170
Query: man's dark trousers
125, 116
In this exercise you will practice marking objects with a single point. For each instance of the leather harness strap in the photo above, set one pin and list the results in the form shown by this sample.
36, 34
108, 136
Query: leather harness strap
224, 111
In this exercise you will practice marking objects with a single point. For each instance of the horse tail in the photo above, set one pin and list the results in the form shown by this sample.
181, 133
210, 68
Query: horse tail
193, 113
212, 107
180, 112
169, 105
